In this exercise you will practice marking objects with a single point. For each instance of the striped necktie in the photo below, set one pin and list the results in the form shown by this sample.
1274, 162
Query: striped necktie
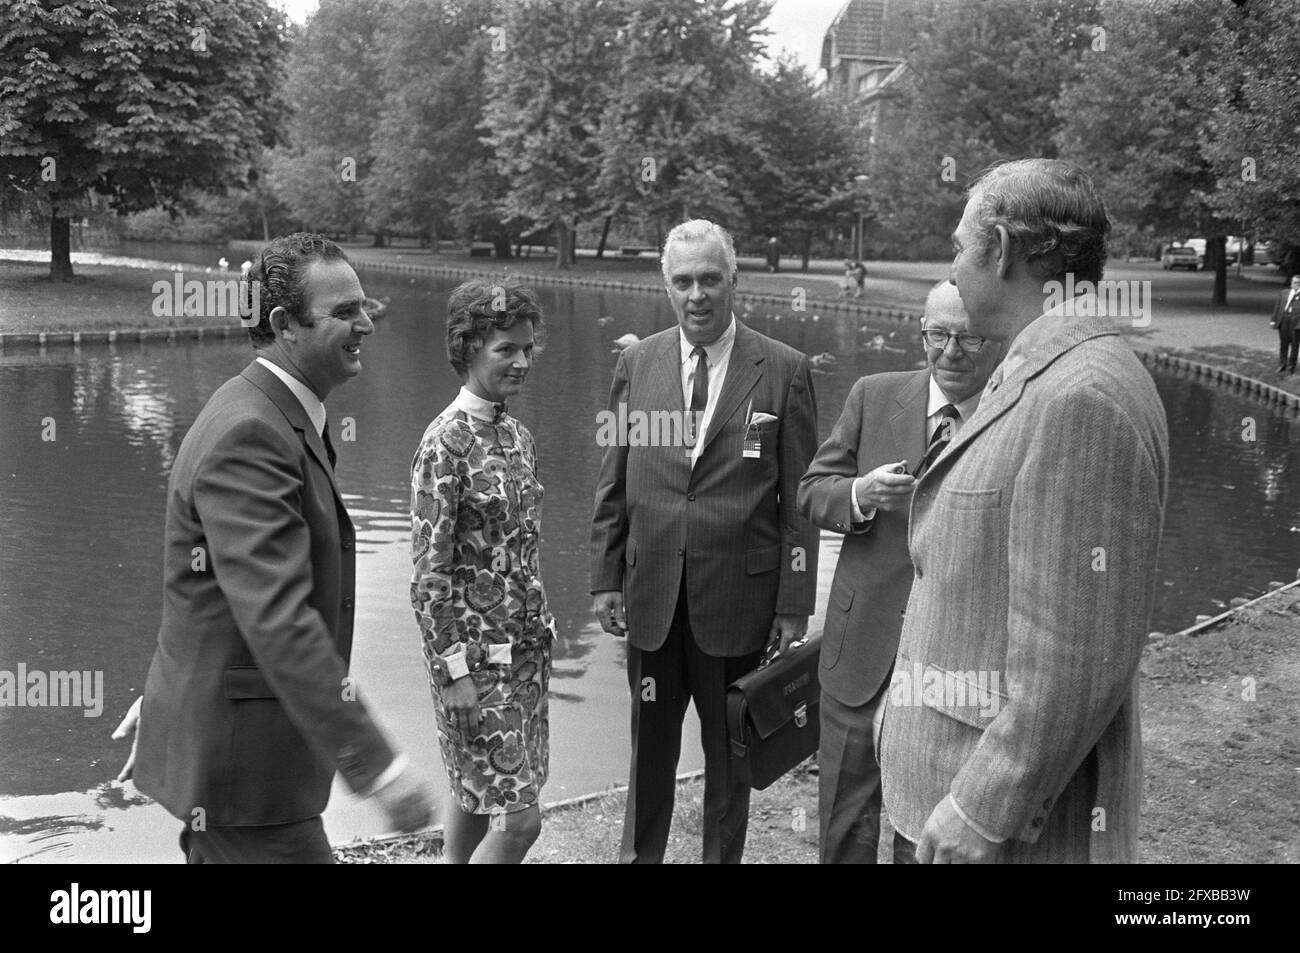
941, 437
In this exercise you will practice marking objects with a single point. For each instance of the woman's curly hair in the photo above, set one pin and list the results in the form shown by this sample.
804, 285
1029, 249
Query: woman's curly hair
477, 307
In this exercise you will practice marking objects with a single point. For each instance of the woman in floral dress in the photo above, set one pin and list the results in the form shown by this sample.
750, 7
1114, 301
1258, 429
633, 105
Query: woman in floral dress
478, 597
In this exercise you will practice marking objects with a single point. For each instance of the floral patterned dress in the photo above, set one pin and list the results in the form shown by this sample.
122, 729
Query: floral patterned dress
479, 601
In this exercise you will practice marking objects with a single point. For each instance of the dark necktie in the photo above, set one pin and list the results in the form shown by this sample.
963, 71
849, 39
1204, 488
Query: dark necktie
699, 389
329, 444
941, 437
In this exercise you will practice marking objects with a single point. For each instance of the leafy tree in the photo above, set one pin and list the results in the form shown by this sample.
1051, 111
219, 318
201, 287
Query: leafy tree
334, 86
800, 158
981, 83
547, 80
138, 101
674, 143
432, 171
1250, 139
1135, 114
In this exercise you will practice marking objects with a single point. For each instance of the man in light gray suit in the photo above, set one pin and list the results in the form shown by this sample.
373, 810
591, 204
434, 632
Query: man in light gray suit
1010, 732
860, 484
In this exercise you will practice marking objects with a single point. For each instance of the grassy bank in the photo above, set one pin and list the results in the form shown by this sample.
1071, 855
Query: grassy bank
1222, 748
99, 297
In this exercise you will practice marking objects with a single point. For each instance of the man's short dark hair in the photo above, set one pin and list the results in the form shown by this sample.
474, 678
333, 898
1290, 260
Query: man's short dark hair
478, 306
281, 270
1052, 212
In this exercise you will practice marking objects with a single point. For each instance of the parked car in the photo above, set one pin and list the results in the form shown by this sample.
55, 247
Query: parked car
1180, 256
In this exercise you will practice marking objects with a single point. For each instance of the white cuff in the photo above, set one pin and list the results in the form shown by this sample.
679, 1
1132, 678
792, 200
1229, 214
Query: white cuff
858, 515
457, 667
972, 825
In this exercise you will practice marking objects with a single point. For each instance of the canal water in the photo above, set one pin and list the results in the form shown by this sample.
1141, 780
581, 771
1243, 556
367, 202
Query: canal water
81, 519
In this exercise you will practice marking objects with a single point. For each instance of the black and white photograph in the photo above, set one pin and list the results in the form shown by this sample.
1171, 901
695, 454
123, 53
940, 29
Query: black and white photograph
798, 432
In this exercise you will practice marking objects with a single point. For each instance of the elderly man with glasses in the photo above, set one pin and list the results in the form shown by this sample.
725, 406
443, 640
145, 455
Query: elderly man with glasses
894, 425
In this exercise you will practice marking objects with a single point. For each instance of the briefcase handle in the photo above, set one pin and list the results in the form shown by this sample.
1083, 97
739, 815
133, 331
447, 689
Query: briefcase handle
773, 651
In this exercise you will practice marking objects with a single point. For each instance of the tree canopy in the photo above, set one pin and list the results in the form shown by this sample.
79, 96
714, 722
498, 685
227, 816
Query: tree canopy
137, 102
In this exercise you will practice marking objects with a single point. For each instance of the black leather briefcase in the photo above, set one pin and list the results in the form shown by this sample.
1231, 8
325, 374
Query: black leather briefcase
773, 714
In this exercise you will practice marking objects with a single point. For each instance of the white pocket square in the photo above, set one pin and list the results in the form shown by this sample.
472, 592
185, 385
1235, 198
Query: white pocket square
762, 418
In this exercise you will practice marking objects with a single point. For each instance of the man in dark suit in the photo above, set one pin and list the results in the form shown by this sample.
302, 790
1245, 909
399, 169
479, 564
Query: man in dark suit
698, 554
1286, 318
248, 709
860, 484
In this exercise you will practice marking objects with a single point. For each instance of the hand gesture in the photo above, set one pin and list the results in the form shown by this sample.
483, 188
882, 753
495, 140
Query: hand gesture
947, 839
607, 607
460, 700
129, 727
887, 487
786, 629
407, 802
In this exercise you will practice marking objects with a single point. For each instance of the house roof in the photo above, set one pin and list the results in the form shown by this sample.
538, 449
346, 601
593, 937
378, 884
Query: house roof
867, 30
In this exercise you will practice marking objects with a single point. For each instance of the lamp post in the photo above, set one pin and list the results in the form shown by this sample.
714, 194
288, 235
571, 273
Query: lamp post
859, 182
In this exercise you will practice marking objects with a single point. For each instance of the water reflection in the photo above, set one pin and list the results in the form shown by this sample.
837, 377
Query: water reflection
81, 531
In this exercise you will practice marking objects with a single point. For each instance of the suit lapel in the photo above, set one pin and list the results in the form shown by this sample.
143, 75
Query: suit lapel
294, 412
743, 373
907, 422
997, 402
667, 389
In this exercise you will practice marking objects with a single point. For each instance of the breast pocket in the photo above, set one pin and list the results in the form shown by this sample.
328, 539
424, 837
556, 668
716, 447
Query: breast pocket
955, 499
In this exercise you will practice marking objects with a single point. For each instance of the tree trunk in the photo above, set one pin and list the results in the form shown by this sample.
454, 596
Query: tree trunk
379, 241
1216, 252
60, 245
807, 250
501, 244
604, 236
563, 245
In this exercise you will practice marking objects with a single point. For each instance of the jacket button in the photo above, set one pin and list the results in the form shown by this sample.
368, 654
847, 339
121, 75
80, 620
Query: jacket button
840, 527
691, 497
347, 604
681, 551
1037, 822
346, 544
1047, 805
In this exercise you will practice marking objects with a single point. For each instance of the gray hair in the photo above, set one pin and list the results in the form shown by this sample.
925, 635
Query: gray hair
699, 230
932, 299
1052, 212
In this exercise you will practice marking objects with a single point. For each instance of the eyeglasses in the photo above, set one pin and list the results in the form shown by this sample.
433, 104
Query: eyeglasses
937, 337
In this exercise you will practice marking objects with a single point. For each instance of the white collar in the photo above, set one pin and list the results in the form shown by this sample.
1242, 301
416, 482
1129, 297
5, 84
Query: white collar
938, 400
714, 350
306, 396
476, 406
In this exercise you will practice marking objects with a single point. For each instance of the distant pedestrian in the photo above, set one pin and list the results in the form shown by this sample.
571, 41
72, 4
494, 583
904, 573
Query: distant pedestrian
1286, 318
773, 254
858, 272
